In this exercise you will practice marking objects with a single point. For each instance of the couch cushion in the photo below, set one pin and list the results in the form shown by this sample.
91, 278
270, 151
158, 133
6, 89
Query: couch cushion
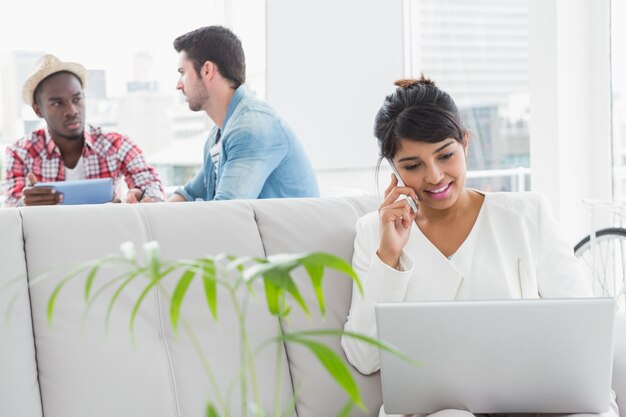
19, 389
88, 373
91, 374
303, 225
198, 229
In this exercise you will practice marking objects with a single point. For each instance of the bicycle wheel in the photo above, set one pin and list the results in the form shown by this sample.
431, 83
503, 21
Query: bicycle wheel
606, 260
610, 233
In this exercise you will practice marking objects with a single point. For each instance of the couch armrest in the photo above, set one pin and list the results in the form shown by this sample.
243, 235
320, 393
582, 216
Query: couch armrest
619, 362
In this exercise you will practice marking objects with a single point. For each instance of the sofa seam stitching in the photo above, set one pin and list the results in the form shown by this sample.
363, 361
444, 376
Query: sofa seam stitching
161, 329
30, 305
280, 322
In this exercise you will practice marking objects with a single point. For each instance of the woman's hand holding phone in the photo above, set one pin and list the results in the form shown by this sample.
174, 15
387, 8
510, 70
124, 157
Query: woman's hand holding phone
396, 219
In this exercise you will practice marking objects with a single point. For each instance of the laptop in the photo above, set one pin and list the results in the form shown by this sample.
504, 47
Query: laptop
505, 356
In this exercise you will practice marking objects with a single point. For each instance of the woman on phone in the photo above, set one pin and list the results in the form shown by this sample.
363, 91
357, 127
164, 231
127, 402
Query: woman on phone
460, 243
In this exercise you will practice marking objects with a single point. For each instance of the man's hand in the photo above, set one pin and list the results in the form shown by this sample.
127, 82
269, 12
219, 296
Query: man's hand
39, 196
135, 195
176, 198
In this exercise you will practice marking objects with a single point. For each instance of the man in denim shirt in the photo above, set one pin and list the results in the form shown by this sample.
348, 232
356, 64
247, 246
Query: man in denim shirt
251, 152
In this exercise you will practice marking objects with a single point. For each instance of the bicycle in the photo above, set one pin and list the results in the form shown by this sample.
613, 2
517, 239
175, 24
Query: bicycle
604, 255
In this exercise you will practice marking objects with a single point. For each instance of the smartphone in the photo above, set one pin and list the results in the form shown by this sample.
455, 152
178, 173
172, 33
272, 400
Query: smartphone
412, 202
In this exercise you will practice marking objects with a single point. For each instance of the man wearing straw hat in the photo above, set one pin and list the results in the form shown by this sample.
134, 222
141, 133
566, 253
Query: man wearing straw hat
68, 148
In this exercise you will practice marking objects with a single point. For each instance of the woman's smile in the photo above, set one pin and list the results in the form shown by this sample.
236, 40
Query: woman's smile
439, 193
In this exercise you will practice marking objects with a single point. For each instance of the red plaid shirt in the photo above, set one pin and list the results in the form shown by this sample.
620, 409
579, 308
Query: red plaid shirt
105, 155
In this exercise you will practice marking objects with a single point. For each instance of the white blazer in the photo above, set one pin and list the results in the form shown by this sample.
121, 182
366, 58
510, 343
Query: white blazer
514, 250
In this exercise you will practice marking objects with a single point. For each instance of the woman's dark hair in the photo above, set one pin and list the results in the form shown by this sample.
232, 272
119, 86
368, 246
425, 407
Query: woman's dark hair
418, 110
218, 45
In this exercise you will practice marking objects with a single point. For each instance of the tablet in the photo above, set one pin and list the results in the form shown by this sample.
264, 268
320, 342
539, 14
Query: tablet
93, 191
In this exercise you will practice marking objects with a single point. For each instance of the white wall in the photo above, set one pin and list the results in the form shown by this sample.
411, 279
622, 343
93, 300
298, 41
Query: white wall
340, 57
330, 65
570, 120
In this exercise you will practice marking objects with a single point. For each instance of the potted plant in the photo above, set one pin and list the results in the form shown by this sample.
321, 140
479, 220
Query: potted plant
234, 277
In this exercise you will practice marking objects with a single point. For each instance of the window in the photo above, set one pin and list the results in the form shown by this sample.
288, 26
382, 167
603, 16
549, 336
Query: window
477, 51
618, 84
132, 70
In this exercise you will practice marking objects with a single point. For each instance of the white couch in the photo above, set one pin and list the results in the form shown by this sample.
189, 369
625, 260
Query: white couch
60, 371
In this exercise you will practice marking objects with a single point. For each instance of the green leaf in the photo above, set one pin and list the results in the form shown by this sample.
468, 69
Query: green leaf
223, 257
256, 410
11, 303
333, 364
209, 282
316, 273
165, 271
93, 265
97, 293
211, 411
289, 409
179, 294
251, 290
322, 259
237, 263
280, 278
57, 290
83, 267
153, 259
142, 296
345, 411
89, 280
17, 280
277, 268
381, 344
285, 262
272, 295
116, 295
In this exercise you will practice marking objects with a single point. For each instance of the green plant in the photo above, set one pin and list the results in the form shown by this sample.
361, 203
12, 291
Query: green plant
235, 277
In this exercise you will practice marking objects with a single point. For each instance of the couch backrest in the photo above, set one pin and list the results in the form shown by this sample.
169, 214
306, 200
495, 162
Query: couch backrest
63, 371
19, 390
84, 371
319, 225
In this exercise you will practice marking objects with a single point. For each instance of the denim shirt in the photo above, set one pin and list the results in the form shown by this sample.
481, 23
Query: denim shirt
260, 157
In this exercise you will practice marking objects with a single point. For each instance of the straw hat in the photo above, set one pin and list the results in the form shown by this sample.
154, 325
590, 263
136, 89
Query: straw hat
46, 66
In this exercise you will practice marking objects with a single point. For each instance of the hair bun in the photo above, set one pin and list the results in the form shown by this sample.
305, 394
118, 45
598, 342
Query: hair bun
410, 82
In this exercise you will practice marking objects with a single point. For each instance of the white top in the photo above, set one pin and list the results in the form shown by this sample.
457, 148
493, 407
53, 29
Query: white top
76, 173
514, 250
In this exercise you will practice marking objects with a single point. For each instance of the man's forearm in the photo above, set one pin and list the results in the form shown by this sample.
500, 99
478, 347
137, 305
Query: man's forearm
176, 198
